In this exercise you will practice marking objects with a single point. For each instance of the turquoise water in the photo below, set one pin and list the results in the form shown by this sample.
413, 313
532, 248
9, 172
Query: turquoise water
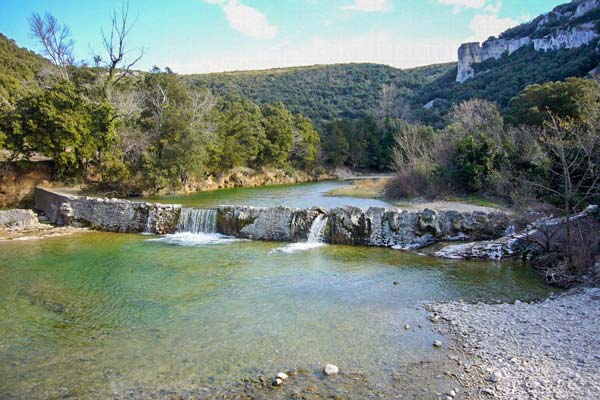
298, 196
100, 315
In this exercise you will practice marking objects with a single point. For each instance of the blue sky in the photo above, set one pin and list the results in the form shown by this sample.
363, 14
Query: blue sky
222, 35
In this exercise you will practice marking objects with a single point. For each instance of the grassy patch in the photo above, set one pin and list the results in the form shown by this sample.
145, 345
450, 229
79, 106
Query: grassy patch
362, 188
477, 201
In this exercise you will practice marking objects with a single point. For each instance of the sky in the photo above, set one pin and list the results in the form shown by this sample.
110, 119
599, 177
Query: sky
198, 36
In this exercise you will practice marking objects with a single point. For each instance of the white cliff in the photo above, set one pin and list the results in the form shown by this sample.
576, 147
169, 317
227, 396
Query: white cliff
568, 38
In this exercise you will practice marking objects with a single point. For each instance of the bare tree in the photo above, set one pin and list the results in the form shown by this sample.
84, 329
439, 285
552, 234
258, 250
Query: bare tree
118, 60
55, 39
573, 167
202, 102
413, 148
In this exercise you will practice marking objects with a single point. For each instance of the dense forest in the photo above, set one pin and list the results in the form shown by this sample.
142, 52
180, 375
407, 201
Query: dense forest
329, 92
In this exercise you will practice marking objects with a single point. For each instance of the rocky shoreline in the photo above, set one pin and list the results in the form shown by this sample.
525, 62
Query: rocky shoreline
21, 224
544, 350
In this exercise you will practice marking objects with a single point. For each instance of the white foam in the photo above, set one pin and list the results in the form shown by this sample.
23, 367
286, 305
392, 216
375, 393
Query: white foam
195, 239
297, 247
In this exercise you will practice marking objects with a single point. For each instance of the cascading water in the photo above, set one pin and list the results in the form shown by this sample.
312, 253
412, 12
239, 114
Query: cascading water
196, 227
197, 220
149, 223
314, 240
317, 229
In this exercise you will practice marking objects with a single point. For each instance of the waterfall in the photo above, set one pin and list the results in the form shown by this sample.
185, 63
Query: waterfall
149, 222
314, 240
196, 227
317, 229
197, 220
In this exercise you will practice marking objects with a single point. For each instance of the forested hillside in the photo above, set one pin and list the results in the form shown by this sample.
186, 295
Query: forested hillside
329, 92
18, 67
503, 79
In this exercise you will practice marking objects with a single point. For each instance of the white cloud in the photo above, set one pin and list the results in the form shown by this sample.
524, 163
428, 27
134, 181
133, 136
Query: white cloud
368, 6
375, 47
460, 4
245, 19
489, 23
485, 25
464, 3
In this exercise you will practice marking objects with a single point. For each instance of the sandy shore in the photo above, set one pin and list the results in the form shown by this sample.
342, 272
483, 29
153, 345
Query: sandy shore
547, 350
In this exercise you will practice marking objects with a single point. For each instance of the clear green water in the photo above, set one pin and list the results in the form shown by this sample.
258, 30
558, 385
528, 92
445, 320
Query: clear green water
299, 196
101, 315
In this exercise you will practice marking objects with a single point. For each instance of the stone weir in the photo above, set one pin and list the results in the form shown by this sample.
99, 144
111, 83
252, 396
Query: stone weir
345, 225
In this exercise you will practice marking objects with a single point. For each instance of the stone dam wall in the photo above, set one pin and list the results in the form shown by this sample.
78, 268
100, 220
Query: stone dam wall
345, 225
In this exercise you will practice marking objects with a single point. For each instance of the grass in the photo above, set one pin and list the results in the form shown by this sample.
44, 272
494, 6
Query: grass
362, 188
476, 201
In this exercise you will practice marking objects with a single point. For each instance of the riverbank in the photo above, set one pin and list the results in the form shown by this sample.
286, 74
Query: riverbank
374, 187
547, 350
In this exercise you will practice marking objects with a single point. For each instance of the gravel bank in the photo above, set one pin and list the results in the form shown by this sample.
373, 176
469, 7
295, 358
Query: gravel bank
547, 350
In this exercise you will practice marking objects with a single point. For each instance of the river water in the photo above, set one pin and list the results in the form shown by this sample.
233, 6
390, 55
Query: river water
297, 196
195, 315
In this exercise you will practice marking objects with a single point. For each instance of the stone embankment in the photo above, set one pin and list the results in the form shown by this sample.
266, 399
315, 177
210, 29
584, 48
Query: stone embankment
346, 225
547, 350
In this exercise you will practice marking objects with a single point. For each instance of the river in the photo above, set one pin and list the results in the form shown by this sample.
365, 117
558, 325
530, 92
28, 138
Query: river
101, 315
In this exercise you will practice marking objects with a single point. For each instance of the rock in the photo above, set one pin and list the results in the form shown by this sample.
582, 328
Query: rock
396, 283
437, 343
495, 377
434, 318
282, 376
407, 327
277, 382
292, 372
452, 393
18, 219
331, 369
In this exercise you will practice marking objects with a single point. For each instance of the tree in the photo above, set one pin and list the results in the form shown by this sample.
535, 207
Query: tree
241, 134
178, 150
118, 63
357, 152
306, 143
55, 39
477, 130
573, 168
278, 124
62, 124
335, 146
575, 98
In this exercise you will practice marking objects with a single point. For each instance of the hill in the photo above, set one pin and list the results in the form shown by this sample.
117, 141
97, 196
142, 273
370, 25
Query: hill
327, 92
18, 68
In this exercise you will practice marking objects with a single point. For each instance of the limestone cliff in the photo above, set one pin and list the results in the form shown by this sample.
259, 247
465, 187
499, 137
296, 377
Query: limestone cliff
566, 27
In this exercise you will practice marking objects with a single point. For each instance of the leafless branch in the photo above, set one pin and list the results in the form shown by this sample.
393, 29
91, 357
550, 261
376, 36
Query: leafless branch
55, 39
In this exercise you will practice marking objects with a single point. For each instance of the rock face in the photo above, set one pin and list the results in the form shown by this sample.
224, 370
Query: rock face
574, 35
113, 215
18, 219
